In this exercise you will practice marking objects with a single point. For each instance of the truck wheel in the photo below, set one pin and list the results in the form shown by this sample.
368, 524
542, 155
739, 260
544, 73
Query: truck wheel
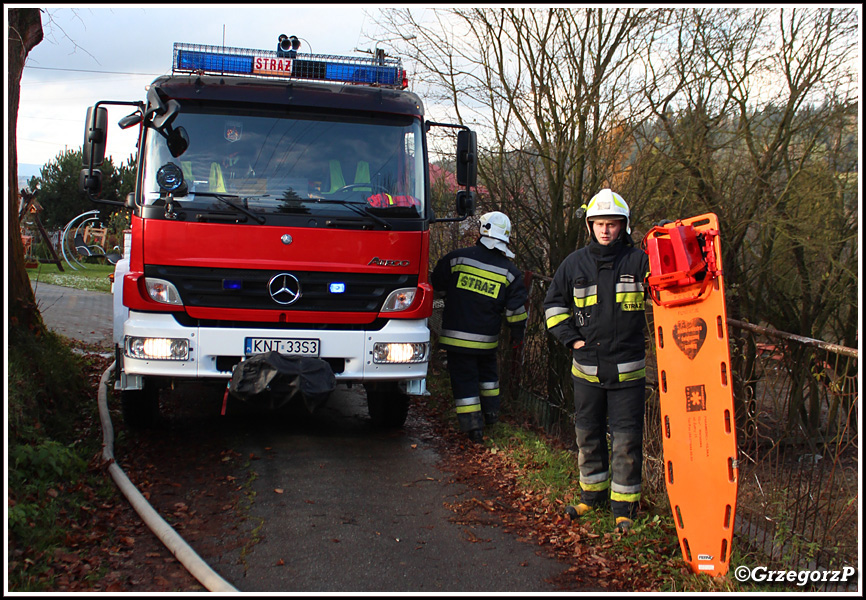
387, 405
140, 407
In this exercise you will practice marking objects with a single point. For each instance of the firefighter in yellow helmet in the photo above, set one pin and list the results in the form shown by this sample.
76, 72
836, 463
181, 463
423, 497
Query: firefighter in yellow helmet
481, 284
596, 307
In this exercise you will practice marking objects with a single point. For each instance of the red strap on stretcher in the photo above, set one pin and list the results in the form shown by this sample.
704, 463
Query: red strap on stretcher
680, 258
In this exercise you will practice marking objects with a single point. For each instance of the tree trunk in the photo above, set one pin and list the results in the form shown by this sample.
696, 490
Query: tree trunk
25, 32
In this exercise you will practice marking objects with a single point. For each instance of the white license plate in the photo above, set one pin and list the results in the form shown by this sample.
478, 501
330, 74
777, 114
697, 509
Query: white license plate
290, 346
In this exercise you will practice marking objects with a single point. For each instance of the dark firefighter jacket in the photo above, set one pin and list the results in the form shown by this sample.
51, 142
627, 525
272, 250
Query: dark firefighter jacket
597, 295
480, 286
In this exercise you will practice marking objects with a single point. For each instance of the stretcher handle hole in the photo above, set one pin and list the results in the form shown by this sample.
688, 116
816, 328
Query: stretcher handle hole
728, 511
720, 327
724, 555
679, 517
664, 382
668, 427
661, 339
686, 550
724, 374
727, 421
670, 473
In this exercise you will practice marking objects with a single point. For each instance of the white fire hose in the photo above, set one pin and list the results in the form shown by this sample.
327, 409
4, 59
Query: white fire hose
168, 536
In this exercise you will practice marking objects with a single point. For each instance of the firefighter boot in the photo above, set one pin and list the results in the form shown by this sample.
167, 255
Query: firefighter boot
476, 436
577, 511
623, 524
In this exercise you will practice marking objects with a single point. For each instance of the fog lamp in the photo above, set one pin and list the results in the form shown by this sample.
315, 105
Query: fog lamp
393, 352
145, 348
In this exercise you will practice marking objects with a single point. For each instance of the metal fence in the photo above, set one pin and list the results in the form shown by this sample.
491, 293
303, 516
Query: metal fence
797, 433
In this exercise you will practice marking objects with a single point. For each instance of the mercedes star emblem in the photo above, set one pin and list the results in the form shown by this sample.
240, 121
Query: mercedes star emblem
284, 288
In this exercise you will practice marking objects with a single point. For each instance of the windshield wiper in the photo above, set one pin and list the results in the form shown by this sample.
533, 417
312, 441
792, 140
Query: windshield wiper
224, 198
353, 206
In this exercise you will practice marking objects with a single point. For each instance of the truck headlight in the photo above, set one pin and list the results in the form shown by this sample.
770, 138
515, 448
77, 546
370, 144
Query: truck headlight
399, 300
392, 352
162, 291
157, 348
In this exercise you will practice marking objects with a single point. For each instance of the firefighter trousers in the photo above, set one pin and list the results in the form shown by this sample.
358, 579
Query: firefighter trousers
614, 475
475, 385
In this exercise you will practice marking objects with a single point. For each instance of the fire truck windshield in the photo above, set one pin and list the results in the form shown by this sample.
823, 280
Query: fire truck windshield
272, 165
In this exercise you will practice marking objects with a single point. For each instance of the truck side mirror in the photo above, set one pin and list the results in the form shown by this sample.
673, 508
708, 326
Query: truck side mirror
95, 136
465, 203
90, 181
467, 159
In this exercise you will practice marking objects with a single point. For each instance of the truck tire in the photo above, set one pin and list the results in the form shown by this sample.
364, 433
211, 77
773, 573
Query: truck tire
140, 407
387, 405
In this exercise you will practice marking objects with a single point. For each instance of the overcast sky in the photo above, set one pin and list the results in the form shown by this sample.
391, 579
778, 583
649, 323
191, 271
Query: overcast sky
105, 52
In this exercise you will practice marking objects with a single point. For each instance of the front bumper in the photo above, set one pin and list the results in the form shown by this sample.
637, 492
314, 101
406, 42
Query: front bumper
213, 351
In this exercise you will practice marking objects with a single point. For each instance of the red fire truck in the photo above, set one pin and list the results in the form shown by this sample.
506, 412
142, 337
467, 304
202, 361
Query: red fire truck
282, 205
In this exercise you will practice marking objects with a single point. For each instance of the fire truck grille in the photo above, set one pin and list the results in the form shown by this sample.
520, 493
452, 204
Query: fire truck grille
252, 289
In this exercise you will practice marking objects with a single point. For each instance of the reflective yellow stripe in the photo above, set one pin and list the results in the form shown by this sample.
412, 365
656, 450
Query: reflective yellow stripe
556, 315
450, 341
633, 375
585, 296
578, 373
479, 285
489, 388
467, 405
632, 370
618, 497
587, 301
554, 321
516, 318
595, 487
515, 315
631, 300
462, 268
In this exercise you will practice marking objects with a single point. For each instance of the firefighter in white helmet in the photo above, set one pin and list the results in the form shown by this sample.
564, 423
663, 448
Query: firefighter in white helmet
480, 284
596, 307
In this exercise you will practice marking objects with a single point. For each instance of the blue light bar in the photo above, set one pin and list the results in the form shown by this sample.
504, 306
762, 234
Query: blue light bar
219, 60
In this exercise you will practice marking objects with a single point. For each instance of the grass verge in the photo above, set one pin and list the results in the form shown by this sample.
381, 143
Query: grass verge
89, 277
54, 477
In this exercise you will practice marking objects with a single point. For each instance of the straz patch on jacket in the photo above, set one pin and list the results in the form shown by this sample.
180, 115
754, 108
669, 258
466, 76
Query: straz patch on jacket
630, 294
479, 285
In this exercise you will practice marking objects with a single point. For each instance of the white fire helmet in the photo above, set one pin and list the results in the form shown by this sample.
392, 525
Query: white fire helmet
607, 204
496, 225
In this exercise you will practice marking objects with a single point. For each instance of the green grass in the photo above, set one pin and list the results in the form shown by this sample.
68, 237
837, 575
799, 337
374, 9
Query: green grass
89, 277
652, 544
544, 468
50, 482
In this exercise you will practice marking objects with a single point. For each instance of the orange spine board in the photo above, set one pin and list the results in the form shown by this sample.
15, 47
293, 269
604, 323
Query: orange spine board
695, 390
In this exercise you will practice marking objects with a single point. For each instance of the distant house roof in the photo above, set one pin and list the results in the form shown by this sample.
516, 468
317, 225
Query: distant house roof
448, 179
438, 174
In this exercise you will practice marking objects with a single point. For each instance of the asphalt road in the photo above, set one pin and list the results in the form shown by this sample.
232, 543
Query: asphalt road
348, 508
79, 315
343, 507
